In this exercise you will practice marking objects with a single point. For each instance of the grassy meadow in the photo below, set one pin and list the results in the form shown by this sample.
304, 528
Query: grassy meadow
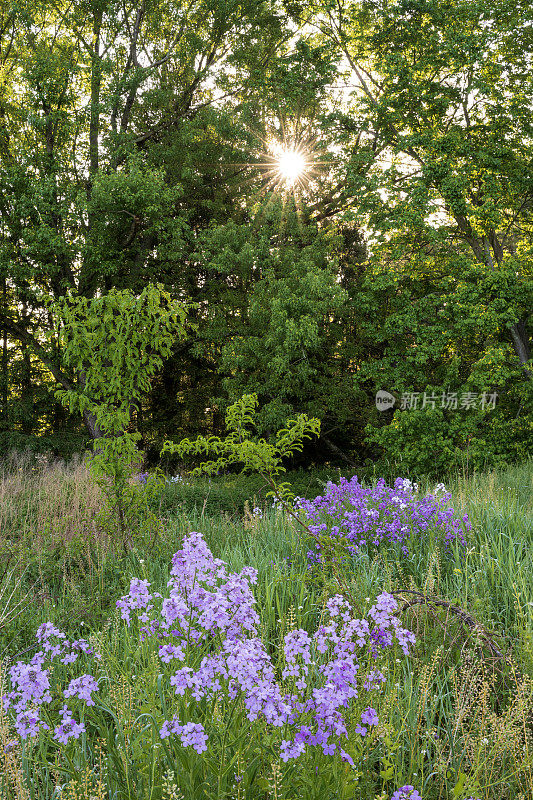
455, 715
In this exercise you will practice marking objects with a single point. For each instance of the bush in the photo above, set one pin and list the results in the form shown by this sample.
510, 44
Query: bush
229, 493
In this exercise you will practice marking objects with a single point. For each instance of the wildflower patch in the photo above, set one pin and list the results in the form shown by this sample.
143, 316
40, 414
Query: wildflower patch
365, 519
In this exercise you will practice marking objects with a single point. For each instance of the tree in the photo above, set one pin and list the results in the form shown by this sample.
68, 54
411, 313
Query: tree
251, 453
115, 344
440, 160
289, 335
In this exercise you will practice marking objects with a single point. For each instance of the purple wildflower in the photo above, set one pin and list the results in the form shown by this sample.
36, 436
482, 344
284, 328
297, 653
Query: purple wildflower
28, 723
31, 687
68, 728
406, 793
347, 757
192, 734
369, 717
169, 651
207, 603
138, 598
364, 518
82, 688
290, 750
32, 682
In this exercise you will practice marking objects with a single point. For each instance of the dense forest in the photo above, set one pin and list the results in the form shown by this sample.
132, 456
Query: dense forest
140, 144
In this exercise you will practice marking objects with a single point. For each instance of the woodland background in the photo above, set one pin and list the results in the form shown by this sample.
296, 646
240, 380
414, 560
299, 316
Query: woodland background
134, 149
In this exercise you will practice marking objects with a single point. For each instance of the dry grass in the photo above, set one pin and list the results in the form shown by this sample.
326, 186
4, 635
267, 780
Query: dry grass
48, 504
496, 742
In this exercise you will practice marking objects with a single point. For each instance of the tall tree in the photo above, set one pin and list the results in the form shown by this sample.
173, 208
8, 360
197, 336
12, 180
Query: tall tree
289, 336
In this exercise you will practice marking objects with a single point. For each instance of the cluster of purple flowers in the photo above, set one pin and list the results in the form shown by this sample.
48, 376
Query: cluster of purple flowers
68, 727
406, 793
32, 687
192, 734
410, 793
362, 517
208, 624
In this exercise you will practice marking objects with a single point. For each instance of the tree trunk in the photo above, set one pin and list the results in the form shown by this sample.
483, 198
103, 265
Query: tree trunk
338, 452
25, 338
482, 251
88, 418
92, 426
521, 346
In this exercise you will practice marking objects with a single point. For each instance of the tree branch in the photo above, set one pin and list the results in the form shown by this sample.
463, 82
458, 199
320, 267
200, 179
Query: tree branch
25, 337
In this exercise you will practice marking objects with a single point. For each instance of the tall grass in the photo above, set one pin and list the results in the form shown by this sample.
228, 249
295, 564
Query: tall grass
44, 503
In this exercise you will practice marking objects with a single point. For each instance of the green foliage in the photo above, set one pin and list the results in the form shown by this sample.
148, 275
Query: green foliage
251, 454
229, 493
116, 151
438, 148
442, 328
288, 342
132, 151
431, 442
137, 195
116, 343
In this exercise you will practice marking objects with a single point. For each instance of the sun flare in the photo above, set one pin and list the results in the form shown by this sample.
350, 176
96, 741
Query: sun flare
291, 166
288, 164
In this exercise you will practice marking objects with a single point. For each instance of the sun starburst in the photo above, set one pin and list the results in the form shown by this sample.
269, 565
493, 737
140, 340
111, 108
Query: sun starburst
291, 166
286, 163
